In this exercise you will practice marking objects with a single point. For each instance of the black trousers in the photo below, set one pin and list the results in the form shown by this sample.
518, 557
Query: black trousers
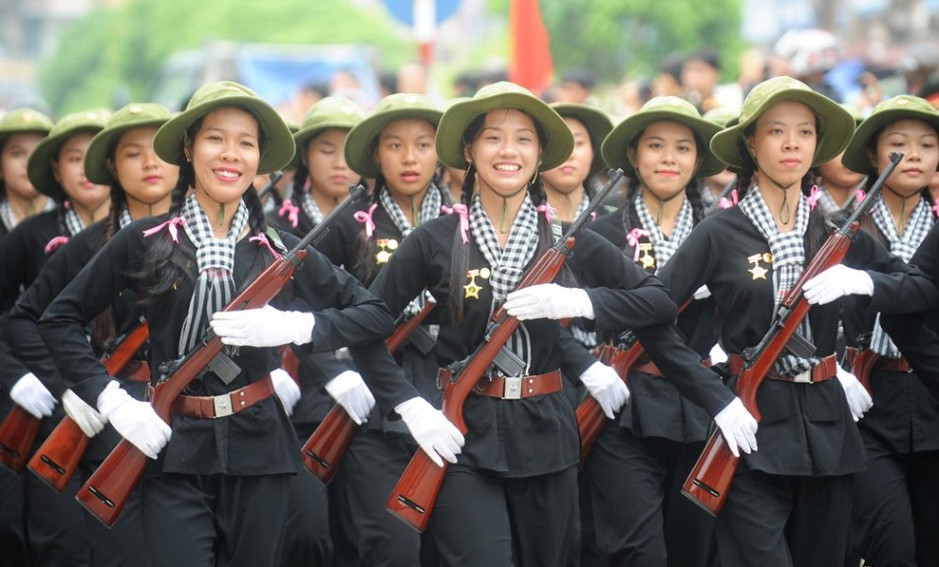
784, 521
214, 521
640, 517
121, 545
368, 473
307, 542
55, 524
895, 509
12, 520
484, 520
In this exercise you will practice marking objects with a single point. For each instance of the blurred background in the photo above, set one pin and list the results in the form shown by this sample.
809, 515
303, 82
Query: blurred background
67, 55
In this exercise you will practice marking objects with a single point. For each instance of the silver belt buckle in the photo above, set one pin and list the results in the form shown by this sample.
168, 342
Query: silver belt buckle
223, 405
513, 388
803, 377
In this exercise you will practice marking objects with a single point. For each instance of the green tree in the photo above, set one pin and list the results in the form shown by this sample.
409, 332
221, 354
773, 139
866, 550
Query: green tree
123, 48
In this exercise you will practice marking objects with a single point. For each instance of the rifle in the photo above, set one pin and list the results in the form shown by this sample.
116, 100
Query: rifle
861, 361
56, 460
413, 498
107, 491
712, 475
323, 451
590, 418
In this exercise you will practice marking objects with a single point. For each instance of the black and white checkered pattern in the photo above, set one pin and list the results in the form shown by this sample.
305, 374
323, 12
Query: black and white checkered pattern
310, 208
826, 201
904, 246
788, 253
430, 208
216, 261
6, 215
507, 266
73, 222
663, 246
584, 203
123, 218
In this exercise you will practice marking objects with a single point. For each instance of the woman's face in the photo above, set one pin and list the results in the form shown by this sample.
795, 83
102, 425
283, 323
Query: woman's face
920, 146
506, 152
834, 172
69, 170
330, 175
225, 154
407, 156
143, 175
665, 157
13, 159
783, 142
572, 173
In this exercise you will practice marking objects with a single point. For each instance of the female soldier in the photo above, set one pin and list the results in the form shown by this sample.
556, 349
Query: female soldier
518, 467
838, 186
794, 492
122, 156
648, 454
564, 185
395, 146
895, 502
218, 495
20, 132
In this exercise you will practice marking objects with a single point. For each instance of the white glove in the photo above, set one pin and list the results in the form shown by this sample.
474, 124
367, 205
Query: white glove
738, 427
702, 292
32, 396
859, 400
264, 327
350, 392
86, 417
549, 301
837, 281
136, 421
431, 429
605, 385
286, 389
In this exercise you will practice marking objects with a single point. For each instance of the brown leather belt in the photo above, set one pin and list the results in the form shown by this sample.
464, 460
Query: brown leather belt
135, 371
510, 388
826, 369
211, 407
882, 363
649, 367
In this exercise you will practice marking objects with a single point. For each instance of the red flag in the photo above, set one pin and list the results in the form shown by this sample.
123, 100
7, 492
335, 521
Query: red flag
530, 59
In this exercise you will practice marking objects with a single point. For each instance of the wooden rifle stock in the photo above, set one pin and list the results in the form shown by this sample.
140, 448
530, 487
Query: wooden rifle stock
108, 489
323, 451
413, 498
17, 434
710, 479
56, 460
861, 365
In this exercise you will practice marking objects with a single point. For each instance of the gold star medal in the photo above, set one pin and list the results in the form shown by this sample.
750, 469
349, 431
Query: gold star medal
471, 288
385, 244
646, 259
758, 272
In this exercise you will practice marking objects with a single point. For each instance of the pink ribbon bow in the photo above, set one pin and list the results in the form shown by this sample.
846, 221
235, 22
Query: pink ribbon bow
859, 196
461, 210
366, 219
935, 207
262, 240
546, 209
170, 225
633, 239
54, 244
726, 203
292, 211
814, 195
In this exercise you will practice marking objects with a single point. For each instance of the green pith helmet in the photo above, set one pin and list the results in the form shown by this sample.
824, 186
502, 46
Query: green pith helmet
39, 167
23, 120
556, 147
134, 115
897, 108
277, 149
662, 109
361, 140
597, 123
835, 124
723, 116
330, 112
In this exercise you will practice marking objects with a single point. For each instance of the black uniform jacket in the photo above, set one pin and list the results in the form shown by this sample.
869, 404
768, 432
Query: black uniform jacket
905, 418
657, 408
514, 438
917, 335
257, 440
806, 429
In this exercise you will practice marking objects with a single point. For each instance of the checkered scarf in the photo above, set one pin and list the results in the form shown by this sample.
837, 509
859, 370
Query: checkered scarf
310, 208
73, 222
430, 208
6, 215
788, 251
904, 246
664, 246
584, 203
507, 265
826, 201
123, 218
215, 287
